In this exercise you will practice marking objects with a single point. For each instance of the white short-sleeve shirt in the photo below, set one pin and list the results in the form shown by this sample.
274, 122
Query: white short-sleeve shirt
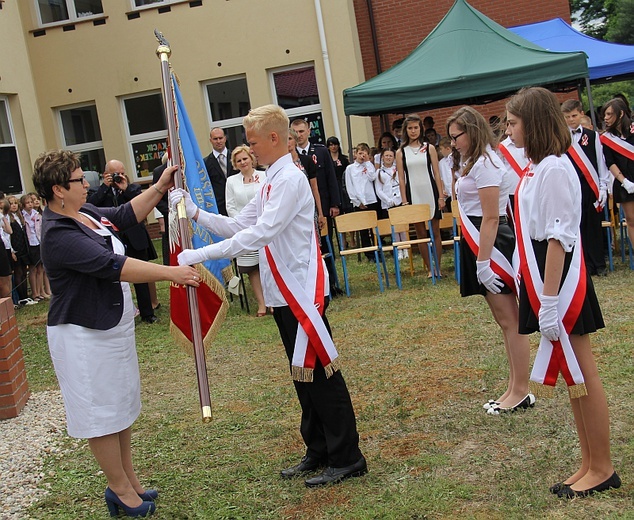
551, 199
487, 172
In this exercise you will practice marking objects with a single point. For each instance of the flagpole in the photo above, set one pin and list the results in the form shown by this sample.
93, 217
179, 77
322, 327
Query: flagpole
163, 52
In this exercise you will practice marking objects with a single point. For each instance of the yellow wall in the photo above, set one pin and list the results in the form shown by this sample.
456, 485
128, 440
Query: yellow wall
16, 82
102, 63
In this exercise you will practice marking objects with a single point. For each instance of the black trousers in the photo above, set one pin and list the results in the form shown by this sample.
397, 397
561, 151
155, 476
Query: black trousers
592, 237
328, 425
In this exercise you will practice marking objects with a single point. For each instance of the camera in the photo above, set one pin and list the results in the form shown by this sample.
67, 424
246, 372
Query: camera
117, 177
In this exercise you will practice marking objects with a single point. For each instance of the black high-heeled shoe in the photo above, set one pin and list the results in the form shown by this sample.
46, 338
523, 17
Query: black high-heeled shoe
114, 503
150, 495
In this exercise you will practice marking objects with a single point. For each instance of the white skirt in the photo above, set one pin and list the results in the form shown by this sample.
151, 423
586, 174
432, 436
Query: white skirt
98, 374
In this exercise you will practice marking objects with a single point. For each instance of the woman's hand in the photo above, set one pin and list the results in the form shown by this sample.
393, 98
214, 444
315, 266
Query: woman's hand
321, 221
441, 203
549, 317
166, 181
185, 275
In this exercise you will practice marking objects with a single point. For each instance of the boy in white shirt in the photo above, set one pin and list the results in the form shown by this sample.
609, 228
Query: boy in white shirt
360, 176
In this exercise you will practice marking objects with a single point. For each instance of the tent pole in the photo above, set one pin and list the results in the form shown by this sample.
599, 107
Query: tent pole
591, 104
349, 130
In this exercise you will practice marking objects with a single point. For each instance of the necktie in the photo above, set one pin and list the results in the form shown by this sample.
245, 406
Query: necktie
304, 152
577, 131
223, 163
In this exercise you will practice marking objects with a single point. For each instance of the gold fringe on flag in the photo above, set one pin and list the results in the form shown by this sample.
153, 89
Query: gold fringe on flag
540, 390
577, 391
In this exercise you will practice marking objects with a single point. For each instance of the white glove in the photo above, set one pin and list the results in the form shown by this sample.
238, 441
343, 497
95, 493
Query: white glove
192, 256
628, 185
175, 197
603, 198
488, 278
549, 317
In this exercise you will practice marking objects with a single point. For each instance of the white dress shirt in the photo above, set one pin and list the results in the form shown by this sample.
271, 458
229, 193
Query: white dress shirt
488, 171
360, 183
281, 213
551, 197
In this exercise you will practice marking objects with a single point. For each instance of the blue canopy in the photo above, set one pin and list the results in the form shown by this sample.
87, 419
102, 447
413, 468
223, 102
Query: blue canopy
606, 61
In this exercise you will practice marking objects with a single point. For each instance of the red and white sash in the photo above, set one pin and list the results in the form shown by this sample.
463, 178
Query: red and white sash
499, 263
556, 356
580, 159
618, 145
307, 305
511, 159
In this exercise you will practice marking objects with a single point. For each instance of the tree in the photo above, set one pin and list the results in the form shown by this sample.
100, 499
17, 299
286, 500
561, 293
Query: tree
620, 27
593, 15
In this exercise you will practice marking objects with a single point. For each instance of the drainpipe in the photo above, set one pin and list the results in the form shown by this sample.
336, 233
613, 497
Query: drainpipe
324, 53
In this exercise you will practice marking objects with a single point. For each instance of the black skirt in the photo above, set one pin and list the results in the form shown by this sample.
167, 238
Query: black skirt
620, 194
504, 242
5, 263
590, 318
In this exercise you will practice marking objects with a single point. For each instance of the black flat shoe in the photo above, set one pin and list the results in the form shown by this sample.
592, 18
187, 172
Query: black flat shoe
333, 475
306, 465
527, 402
556, 488
614, 482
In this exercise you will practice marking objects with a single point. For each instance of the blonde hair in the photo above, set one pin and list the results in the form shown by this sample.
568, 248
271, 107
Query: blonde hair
239, 149
267, 117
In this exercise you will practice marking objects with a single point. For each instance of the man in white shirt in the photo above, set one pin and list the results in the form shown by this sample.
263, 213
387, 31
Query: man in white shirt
279, 223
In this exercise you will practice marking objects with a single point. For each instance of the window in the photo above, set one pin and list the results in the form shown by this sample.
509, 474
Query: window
146, 131
295, 90
227, 103
10, 178
81, 134
58, 11
136, 4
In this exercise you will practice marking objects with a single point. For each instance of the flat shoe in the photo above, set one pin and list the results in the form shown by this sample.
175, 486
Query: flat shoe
527, 402
556, 488
334, 475
490, 404
614, 482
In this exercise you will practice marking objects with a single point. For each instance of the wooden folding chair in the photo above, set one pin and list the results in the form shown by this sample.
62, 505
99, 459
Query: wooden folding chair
330, 255
358, 221
447, 223
385, 229
406, 215
455, 212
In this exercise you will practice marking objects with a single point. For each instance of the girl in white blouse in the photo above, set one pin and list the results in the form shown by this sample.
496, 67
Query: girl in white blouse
556, 294
483, 204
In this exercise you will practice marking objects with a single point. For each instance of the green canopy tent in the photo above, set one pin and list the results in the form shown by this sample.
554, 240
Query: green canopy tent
481, 62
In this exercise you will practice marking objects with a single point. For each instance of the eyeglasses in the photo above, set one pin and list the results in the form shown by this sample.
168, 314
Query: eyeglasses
81, 179
454, 138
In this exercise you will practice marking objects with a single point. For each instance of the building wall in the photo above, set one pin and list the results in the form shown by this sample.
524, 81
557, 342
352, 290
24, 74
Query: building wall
213, 39
401, 26
16, 83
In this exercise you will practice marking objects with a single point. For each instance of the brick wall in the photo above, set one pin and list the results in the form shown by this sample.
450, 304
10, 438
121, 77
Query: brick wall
14, 388
402, 24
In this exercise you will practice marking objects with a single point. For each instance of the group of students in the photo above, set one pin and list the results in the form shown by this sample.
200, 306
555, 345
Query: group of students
20, 267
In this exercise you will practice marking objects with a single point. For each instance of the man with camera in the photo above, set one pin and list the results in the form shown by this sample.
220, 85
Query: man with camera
114, 191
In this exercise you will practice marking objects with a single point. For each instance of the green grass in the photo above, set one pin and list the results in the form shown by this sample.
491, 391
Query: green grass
419, 363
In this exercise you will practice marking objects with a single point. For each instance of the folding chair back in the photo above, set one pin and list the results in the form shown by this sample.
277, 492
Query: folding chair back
330, 255
359, 221
455, 213
404, 216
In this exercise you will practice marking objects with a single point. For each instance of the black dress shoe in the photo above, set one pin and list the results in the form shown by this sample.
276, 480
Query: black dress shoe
333, 475
150, 319
305, 465
614, 482
556, 488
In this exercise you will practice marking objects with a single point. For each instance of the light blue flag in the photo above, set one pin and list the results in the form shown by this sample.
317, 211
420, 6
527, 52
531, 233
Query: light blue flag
198, 183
